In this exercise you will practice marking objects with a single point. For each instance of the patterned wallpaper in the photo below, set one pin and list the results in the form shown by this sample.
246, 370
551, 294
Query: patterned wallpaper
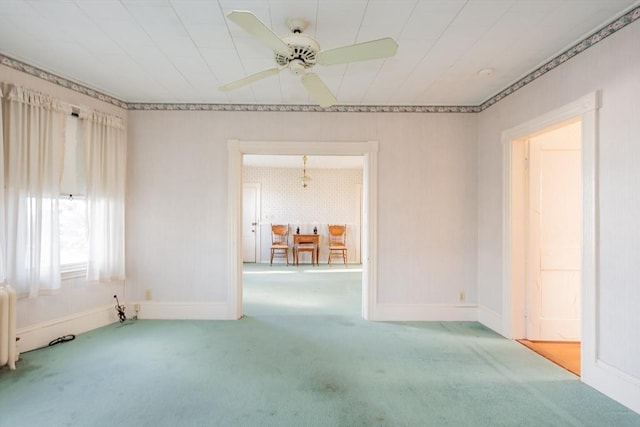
332, 196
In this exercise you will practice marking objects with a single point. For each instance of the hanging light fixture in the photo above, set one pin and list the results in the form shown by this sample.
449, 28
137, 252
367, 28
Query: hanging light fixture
304, 179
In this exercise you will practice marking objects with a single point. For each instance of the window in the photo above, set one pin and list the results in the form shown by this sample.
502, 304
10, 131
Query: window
45, 144
74, 232
72, 205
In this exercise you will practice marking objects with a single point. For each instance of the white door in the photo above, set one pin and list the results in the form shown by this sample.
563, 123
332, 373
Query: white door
555, 222
250, 215
357, 254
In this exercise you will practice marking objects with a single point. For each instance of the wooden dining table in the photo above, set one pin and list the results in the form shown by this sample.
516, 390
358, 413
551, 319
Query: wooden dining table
307, 239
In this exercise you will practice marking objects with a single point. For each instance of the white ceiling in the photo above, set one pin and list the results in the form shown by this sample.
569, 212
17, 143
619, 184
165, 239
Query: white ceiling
180, 51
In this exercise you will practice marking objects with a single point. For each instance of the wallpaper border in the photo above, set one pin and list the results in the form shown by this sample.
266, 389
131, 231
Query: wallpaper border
580, 47
60, 81
593, 39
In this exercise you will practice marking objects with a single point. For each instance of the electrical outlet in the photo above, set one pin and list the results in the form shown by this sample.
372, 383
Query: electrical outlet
148, 294
136, 307
462, 296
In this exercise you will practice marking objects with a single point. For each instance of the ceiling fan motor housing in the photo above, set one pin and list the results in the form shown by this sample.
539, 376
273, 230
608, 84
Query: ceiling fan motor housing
303, 51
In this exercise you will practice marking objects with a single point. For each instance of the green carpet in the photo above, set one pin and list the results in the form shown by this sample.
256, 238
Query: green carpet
302, 356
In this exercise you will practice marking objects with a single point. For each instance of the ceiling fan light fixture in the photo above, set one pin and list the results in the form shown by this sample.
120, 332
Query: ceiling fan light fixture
297, 67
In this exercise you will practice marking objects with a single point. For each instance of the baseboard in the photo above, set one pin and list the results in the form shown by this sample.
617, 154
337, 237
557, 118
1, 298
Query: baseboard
179, 310
613, 383
307, 263
424, 312
41, 334
490, 319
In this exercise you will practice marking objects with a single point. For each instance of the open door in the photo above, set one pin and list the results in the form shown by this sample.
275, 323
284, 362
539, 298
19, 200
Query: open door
554, 235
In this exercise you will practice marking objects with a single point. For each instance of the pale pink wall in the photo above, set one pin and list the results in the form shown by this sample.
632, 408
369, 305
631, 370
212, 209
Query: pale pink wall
177, 189
611, 67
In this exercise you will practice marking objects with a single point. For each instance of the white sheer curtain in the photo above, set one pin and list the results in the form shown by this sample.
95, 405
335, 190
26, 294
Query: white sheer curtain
34, 155
105, 146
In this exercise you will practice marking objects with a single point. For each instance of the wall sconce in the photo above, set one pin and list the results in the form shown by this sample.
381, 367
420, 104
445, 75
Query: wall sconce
304, 179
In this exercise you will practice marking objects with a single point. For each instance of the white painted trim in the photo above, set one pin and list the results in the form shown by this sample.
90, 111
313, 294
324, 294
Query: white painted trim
616, 384
236, 149
41, 334
590, 223
507, 171
598, 374
490, 318
369, 236
583, 107
234, 230
190, 310
425, 312
358, 259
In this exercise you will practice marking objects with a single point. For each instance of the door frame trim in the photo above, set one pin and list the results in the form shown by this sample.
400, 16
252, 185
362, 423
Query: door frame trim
584, 108
367, 149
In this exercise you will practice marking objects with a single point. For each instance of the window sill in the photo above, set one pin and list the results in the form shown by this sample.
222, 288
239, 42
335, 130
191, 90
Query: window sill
73, 271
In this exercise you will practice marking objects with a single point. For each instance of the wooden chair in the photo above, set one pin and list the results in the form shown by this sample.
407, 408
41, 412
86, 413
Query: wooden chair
279, 242
338, 242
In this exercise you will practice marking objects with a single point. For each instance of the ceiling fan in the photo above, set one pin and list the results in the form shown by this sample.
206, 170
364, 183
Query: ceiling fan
299, 52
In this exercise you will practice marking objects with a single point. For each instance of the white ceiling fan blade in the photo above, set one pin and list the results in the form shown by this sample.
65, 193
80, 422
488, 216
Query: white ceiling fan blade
251, 24
374, 49
318, 90
250, 79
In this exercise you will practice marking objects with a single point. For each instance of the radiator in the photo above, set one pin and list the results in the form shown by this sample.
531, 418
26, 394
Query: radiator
8, 347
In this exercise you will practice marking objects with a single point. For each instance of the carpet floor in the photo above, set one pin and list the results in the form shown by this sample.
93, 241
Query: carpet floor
301, 356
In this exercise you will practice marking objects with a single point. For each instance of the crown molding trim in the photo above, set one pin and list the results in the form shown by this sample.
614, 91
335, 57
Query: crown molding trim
305, 108
609, 29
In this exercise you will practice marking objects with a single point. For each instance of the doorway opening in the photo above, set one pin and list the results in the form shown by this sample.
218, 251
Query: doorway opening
541, 266
546, 240
367, 150
273, 194
332, 194
546, 224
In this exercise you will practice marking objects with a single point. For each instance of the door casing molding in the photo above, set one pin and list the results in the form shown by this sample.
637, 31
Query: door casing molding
585, 109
